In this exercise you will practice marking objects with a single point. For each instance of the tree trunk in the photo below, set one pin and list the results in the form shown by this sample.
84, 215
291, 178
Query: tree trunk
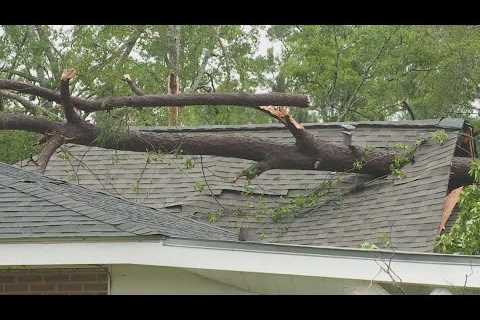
327, 156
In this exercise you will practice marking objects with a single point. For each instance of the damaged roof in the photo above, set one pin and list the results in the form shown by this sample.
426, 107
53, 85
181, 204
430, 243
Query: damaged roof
356, 209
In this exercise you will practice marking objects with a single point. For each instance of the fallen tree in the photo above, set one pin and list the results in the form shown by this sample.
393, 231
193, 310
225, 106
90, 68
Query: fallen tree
308, 153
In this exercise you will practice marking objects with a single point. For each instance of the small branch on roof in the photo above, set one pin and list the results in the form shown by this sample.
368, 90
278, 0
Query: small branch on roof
255, 170
51, 145
70, 114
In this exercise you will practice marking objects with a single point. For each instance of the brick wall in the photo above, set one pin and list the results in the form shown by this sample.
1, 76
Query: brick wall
58, 281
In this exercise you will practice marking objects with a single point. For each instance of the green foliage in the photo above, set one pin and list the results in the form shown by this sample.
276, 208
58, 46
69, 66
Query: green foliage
189, 163
464, 236
440, 136
368, 245
65, 154
404, 154
382, 242
365, 72
212, 217
114, 126
136, 187
17, 145
299, 203
402, 157
358, 165
199, 186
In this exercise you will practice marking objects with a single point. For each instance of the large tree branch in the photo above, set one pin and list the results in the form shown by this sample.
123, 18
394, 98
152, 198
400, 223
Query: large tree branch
52, 144
238, 99
326, 155
70, 114
302, 137
323, 155
308, 153
131, 84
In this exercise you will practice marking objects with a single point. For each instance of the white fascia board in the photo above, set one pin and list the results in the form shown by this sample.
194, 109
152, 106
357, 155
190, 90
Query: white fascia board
212, 257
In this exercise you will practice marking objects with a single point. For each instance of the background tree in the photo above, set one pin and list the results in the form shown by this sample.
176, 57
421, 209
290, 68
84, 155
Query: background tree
372, 72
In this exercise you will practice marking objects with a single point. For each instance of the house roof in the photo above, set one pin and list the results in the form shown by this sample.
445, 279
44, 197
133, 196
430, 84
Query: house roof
406, 211
35, 206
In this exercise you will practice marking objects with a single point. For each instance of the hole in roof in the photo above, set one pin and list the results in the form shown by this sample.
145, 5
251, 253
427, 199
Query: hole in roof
57, 182
27, 181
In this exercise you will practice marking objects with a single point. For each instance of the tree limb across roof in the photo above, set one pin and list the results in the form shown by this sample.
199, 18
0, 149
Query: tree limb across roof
308, 153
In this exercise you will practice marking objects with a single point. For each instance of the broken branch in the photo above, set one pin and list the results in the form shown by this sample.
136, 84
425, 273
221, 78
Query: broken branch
70, 114
51, 145
135, 89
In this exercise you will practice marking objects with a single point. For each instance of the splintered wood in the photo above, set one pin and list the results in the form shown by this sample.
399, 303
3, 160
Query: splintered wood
448, 205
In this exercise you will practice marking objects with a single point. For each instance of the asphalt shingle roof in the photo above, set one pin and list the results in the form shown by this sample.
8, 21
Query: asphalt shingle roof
405, 210
33, 206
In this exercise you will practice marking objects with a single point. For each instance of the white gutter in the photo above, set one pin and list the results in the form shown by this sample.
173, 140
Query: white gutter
427, 269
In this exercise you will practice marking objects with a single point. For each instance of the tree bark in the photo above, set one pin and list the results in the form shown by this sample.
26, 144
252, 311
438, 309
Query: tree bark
48, 150
327, 156
70, 113
102, 104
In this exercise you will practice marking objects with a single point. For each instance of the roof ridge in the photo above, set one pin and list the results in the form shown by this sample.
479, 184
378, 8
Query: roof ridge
446, 123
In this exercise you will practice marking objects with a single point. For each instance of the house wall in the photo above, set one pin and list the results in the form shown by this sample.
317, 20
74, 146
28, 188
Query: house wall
58, 281
140, 279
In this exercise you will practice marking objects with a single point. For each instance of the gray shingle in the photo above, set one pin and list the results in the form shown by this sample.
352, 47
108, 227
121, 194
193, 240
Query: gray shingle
37, 206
